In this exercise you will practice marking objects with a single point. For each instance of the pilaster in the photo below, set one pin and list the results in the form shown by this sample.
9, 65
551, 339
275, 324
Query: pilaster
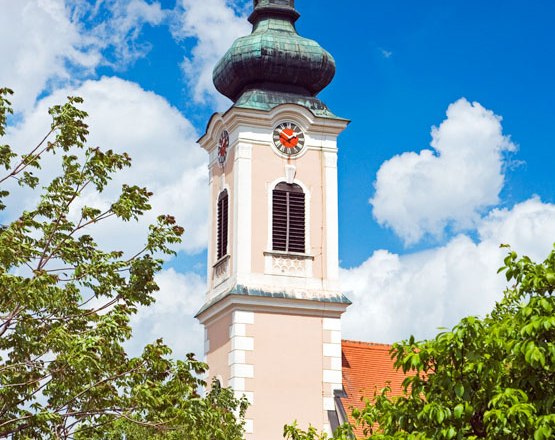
242, 209
239, 369
332, 379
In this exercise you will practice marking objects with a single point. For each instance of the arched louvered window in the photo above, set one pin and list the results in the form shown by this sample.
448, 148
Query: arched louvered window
288, 218
223, 205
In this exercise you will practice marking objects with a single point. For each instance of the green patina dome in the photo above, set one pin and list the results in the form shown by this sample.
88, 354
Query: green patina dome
274, 64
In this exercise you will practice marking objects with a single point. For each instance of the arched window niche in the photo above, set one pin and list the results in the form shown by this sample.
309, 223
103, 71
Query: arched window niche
288, 218
222, 225
221, 267
288, 225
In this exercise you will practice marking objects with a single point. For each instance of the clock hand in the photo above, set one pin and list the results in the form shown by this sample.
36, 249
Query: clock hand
287, 136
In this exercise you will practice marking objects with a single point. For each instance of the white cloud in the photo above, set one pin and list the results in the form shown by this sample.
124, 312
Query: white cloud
386, 53
37, 41
162, 143
52, 44
395, 296
114, 26
529, 227
424, 193
171, 317
47, 44
214, 25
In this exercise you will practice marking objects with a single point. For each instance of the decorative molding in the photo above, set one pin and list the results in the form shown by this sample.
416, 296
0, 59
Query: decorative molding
243, 150
242, 343
236, 357
237, 384
246, 371
332, 376
329, 404
288, 264
290, 171
335, 337
221, 270
336, 363
299, 287
224, 286
242, 317
332, 350
330, 160
331, 324
333, 307
246, 394
206, 342
320, 131
249, 426
237, 330
260, 118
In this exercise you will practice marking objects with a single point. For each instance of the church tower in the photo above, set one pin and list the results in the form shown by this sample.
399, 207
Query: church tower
273, 307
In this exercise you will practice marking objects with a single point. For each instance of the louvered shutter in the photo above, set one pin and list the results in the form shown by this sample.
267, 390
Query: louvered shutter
222, 224
288, 218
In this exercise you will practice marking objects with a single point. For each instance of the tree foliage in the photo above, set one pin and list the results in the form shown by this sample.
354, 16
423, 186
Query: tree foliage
65, 306
488, 378
293, 432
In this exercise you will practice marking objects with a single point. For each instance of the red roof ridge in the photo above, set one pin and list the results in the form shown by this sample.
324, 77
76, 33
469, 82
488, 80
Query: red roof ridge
365, 344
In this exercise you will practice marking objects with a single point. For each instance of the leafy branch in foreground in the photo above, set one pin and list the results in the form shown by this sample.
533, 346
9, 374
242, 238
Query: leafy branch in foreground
488, 378
65, 306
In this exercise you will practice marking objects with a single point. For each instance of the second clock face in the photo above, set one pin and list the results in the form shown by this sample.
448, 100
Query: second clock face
223, 146
288, 138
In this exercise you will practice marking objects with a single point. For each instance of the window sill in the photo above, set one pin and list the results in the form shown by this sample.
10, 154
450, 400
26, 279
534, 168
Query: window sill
296, 255
221, 260
220, 270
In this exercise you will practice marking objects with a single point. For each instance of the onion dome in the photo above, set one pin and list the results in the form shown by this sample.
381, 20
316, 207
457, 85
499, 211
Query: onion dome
274, 64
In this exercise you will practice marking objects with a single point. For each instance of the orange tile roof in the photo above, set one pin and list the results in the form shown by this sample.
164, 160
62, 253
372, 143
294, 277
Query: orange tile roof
367, 368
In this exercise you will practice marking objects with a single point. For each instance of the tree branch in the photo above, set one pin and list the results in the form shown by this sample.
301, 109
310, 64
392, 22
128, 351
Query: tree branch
25, 162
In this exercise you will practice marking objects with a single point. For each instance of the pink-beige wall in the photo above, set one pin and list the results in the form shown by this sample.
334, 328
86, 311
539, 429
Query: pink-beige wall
219, 348
270, 167
287, 381
288, 363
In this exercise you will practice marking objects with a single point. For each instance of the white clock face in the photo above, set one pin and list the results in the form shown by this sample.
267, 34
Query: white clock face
288, 138
223, 146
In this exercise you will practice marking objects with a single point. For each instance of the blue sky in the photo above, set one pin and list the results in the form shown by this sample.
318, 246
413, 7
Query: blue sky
496, 53
425, 251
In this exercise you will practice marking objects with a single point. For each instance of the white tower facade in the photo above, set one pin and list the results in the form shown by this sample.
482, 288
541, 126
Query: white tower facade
273, 306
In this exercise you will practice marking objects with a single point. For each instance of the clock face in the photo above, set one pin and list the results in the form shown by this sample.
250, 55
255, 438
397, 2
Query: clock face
223, 146
288, 138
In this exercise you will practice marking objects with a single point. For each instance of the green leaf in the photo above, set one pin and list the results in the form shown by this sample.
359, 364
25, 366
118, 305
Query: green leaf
459, 390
